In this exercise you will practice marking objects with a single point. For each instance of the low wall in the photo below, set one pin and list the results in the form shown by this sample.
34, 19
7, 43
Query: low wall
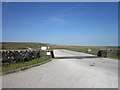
15, 56
108, 52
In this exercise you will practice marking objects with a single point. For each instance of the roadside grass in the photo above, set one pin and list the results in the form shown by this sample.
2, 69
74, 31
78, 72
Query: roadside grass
24, 64
0, 68
115, 57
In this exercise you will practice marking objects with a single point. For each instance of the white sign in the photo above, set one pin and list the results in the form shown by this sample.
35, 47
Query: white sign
48, 53
43, 48
89, 50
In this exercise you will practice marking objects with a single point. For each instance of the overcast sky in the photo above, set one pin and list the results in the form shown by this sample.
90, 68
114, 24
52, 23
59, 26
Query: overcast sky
65, 23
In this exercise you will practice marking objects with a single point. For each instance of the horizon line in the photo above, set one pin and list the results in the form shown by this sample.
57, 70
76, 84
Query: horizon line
60, 44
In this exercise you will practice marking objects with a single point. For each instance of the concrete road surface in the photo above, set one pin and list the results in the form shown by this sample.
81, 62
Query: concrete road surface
68, 70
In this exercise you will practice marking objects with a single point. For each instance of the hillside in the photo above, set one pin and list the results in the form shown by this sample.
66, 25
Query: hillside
20, 45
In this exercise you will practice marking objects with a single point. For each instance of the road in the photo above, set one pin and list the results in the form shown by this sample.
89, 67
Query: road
69, 69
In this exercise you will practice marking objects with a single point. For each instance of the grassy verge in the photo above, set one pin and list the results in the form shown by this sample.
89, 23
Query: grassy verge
115, 57
24, 64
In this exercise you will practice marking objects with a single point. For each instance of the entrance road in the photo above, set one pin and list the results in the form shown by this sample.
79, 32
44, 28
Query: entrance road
69, 69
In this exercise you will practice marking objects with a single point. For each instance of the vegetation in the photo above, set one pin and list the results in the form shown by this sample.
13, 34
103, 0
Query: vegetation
20, 45
115, 57
24, 64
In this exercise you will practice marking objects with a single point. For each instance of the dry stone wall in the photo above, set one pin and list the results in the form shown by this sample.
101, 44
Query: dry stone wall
15, 56
108, 52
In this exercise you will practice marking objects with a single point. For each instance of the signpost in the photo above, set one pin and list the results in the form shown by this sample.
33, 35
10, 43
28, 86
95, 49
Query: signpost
48, 53
44, 48
89, 50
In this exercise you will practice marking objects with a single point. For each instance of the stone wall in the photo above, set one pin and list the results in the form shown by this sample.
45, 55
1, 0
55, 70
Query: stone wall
108, 52
15, 56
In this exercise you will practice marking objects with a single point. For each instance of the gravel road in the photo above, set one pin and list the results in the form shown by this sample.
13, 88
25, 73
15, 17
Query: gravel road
69, 69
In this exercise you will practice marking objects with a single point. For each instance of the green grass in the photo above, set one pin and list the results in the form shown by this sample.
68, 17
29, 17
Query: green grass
24, 64
115, 57
0, 69
21, 45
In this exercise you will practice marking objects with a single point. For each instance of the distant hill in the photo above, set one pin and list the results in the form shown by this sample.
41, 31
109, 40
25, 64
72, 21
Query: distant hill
20, 45
25, 45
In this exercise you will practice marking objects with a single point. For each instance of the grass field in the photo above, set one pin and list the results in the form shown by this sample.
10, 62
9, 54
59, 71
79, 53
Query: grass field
20, 45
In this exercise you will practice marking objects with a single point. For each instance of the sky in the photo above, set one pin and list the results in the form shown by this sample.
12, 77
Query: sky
62, 23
